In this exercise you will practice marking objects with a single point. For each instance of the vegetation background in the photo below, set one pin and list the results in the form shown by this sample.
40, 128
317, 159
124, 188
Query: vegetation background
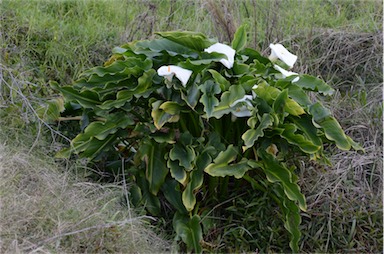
49, 205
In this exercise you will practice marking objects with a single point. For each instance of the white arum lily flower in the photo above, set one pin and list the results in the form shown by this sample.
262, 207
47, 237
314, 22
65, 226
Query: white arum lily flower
168, 71
223, 49
285, 73
238, 109
280, 52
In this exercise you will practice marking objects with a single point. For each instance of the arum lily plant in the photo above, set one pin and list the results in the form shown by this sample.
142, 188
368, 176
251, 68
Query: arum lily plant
182, 149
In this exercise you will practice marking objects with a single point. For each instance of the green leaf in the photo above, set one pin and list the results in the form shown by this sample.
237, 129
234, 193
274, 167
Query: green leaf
160, 117
171, 107
95, 147
219, 79
299, 140
221, 164
184, 154
276, 172
234, 93
144, 82
252, 135
322, 118
122, 97
148, 200
101, 130
156, 171
177, 172
280, 103
270, 94
292, 218
172, 193
193, 40
208, 99
240, 38
86, 99
115, 73
240, 69
192, 96
156, 47
189, 230
195, 182
314, 84
304, 123
297, 94
255, 56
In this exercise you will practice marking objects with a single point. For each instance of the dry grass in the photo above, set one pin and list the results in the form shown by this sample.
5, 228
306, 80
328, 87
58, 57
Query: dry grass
341, 56
44, 210
345, 209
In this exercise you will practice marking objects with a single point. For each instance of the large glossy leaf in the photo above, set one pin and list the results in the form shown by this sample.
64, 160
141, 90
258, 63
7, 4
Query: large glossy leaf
240, 38
276, 172
322, 118
192, 95
147, 199
304, 123
172, 193
219, 79
314, 84
160, 117
270, 94
122, 97
144, 82
94, 147
208, 99
114, 122
292, 218
254, 55
171, 107
185, 154
189, 230
192, 40
86, 99
195, 182
299, 140
252, 135
234, 93
118, 71
280, 103
156, 170
177, 172
223, 164
156, 47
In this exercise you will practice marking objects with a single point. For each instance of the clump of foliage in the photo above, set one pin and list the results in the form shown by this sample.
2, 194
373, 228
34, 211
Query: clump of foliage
190, 120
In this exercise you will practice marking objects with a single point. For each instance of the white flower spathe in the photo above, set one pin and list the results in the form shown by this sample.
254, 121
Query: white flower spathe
223, 49
168, 71
278, 51
243, 110
284, 73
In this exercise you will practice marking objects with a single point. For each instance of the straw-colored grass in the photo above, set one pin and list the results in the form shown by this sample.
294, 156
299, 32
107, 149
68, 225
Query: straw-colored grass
45, 209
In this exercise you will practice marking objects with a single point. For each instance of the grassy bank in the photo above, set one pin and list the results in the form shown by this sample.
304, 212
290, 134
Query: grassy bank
47, 208
340, 41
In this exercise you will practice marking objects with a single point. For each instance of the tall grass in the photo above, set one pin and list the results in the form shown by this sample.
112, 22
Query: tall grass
341, 41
